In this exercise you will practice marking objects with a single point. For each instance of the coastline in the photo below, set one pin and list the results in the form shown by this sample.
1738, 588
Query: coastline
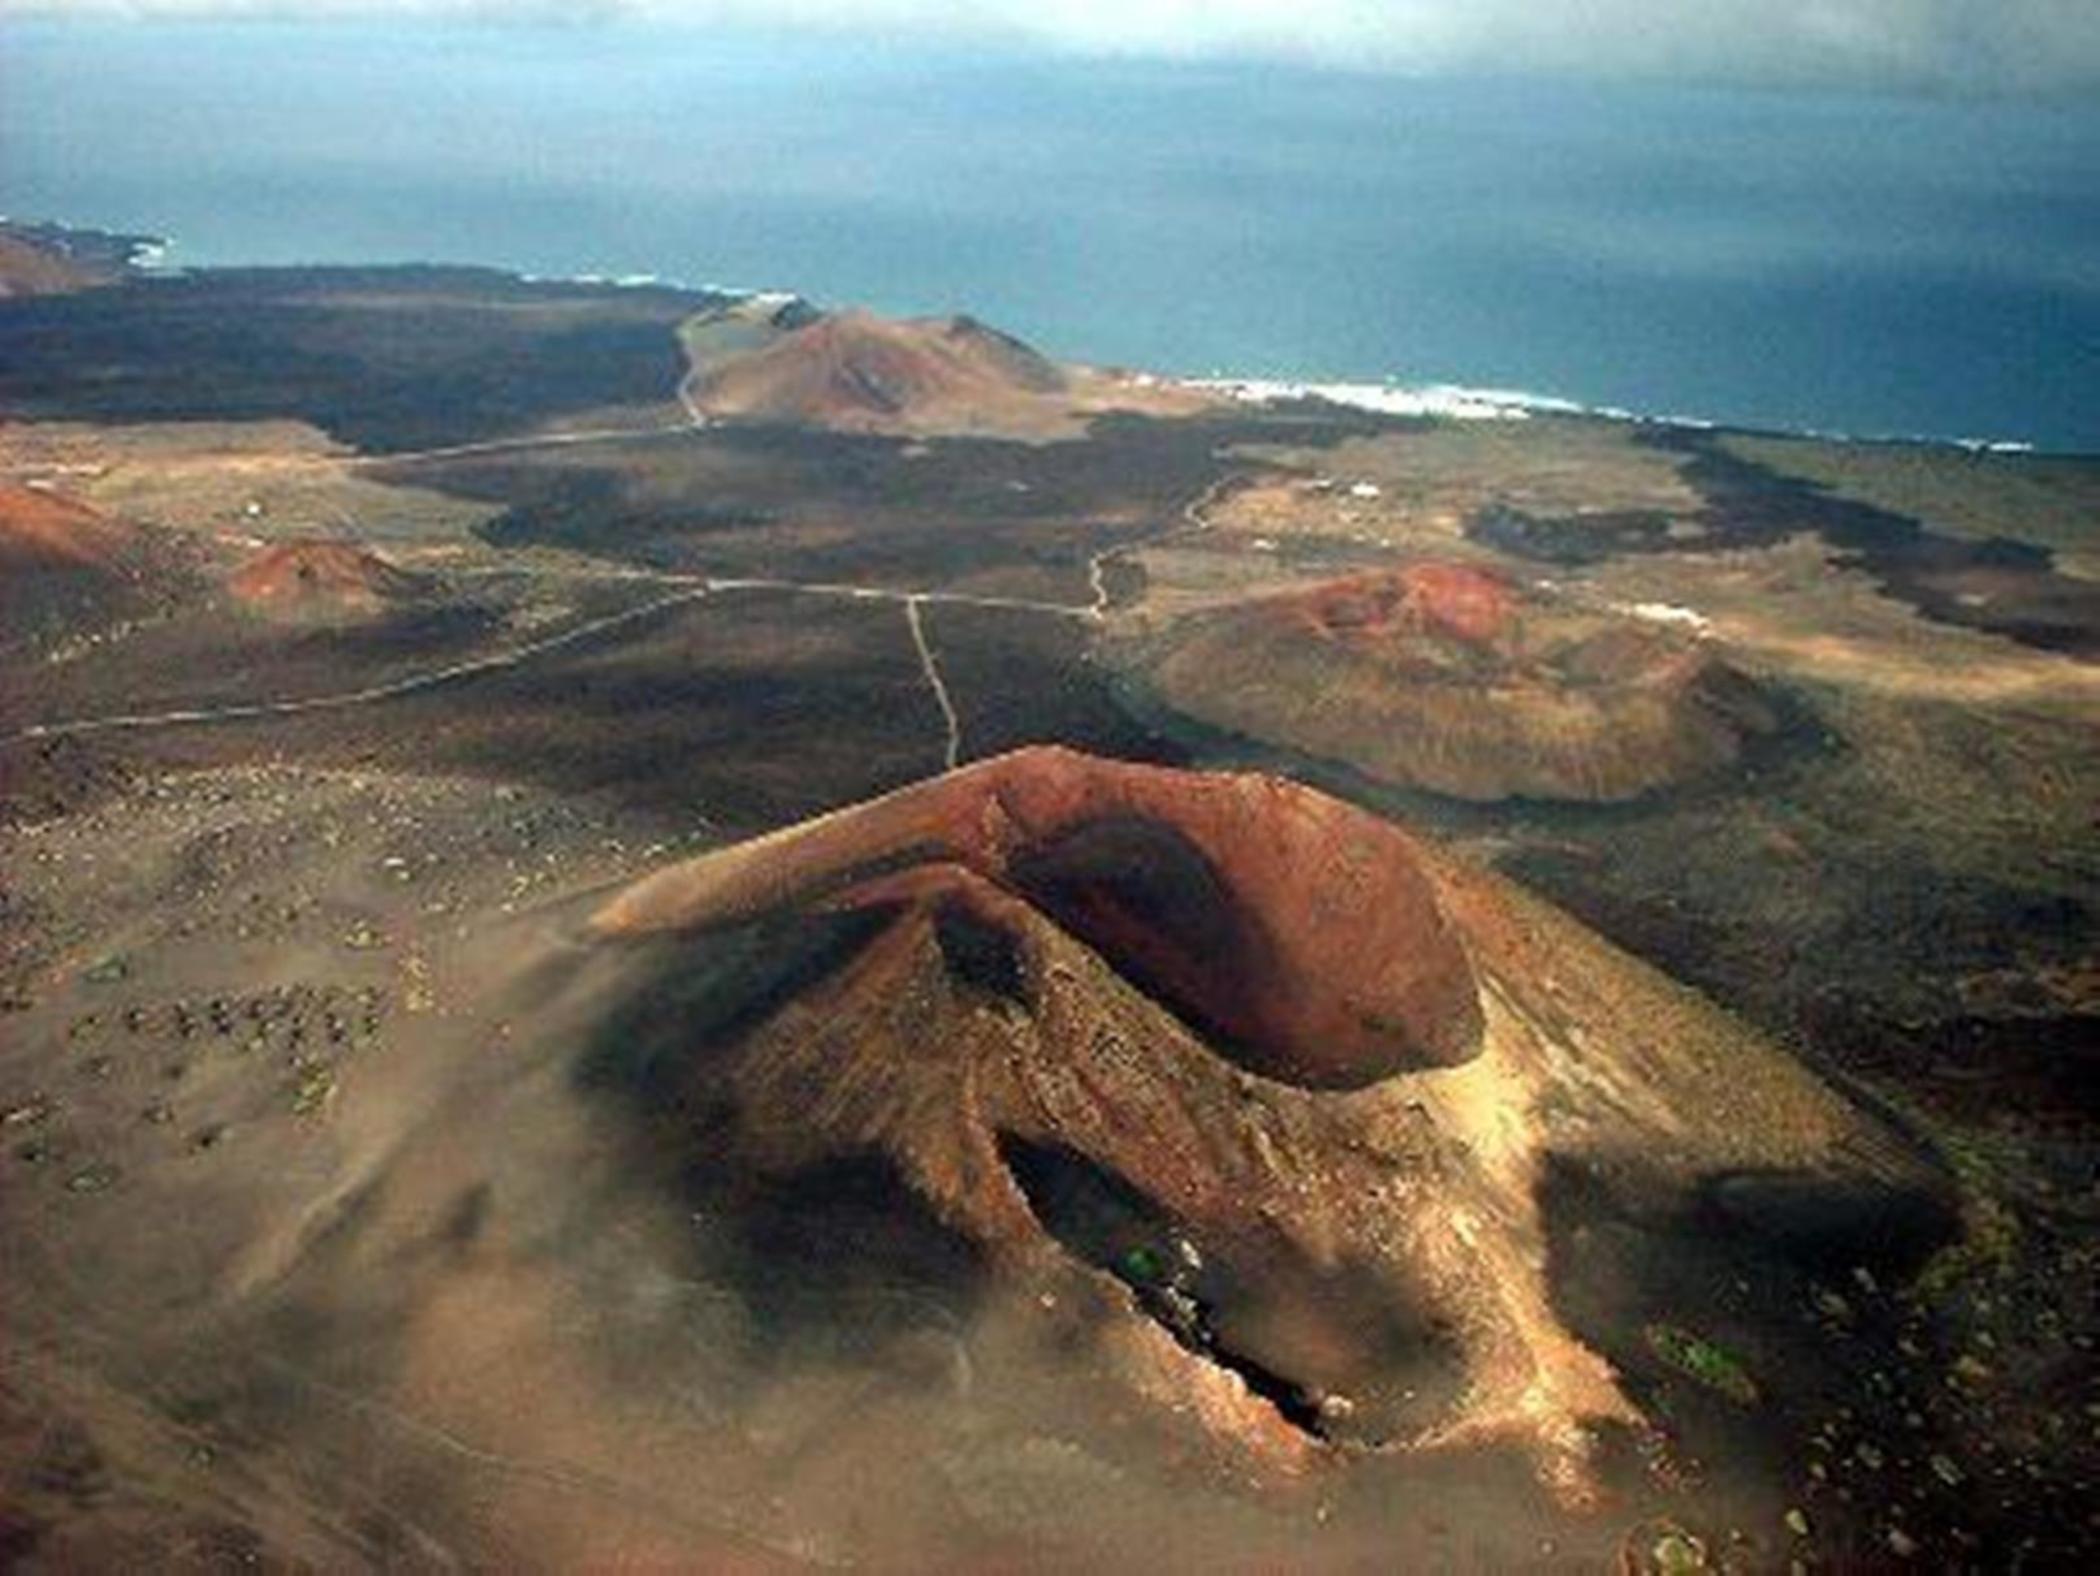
148, 255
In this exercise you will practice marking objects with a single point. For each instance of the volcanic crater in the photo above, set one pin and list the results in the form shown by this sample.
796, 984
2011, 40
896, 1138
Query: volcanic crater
1279, 922
1269, 1087
1452, 679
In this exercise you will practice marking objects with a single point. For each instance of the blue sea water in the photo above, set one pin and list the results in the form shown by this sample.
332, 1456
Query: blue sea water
1858, 264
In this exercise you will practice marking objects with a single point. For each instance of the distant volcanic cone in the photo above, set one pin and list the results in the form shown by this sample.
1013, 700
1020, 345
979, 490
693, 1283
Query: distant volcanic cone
65, 566
42, 530
853, 371
1446, 677
320, 578
856, 370
1274, 1087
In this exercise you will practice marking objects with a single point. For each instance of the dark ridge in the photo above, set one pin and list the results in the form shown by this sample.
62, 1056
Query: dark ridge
2005, 587
1101, 1219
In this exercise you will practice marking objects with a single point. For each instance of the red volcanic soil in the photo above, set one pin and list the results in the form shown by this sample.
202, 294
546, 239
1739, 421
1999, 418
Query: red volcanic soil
318, 576
67, 570
1448, 678
1288, 926
1450, 601
42, 531
856, 370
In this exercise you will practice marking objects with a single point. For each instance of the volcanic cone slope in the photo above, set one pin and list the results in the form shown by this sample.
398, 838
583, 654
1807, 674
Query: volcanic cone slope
63, 563
1283, 1080
42, 530
853, 371
320, 576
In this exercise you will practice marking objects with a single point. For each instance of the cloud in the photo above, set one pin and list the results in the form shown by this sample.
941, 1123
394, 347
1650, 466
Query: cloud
1959, 46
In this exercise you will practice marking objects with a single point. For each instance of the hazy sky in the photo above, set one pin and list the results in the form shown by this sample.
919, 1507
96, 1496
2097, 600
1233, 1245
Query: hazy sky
1963, 46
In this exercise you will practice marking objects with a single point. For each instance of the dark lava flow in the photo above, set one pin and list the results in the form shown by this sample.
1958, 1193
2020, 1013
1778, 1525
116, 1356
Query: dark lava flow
1999, 585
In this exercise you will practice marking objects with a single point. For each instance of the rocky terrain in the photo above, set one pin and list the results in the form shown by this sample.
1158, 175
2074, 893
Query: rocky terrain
933, 973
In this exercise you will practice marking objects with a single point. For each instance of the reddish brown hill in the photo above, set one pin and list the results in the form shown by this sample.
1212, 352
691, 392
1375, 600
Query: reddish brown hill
69, 572
1046, 990
318, 577
1454, 602
855, 370
1448, 678
42, 530
1283, 922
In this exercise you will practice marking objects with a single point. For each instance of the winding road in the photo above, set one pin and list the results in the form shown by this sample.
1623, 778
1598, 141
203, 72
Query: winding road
934, 681
544, 440
696, 420
692, 588
451, 673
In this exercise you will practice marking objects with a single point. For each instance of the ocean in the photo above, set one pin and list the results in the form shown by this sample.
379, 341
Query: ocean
1867, 265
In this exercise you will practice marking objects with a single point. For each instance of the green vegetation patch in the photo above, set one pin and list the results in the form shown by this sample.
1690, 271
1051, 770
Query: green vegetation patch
313, 1086
1142, 1266
1698, 1358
